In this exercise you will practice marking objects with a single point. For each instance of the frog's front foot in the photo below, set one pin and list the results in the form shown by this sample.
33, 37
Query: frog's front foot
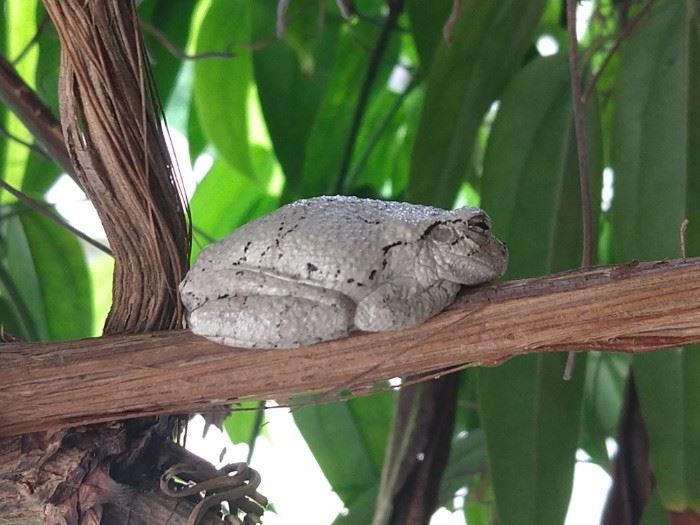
260, 321
399, 304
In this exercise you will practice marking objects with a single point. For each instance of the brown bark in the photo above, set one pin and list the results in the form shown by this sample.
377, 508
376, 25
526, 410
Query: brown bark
636, 307
34, 114
110, 119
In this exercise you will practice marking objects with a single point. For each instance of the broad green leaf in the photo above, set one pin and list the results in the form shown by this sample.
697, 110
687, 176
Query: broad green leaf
245, 423
221, 86
47, 266
604, 390
172, 19
42, 172
226, 199
427, 22
490, 39
16, 317
101, 275
348, 441
656, 159
62, 273
291, 75
383, 150
330, 133
20, 20
654, 513
467, 458
20, 284
530, 187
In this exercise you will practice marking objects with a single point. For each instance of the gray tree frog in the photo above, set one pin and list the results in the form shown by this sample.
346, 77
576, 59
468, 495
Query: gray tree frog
319, 268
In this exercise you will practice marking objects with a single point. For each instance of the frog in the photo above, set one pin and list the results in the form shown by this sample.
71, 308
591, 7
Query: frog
321, 268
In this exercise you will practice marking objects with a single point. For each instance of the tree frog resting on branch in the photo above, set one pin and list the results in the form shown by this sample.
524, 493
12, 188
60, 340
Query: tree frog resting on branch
319, 268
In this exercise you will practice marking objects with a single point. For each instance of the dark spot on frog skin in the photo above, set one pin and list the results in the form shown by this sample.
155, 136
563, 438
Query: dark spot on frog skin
239, 272
223, 296
390, 246
349, 281
372, 274
360, 284
384, 263
247, 245
311, 267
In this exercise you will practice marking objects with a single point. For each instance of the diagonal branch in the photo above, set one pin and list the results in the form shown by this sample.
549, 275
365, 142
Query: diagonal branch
637, 307
47, 212
34, 114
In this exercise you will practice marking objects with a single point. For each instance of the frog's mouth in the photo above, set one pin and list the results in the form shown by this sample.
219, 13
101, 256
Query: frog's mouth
489, 263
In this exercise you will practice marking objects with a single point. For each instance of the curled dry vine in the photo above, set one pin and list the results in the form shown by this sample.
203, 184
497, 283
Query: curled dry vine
235, 484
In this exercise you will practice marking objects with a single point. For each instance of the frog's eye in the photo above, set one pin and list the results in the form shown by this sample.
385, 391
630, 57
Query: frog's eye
480, 224
443, 233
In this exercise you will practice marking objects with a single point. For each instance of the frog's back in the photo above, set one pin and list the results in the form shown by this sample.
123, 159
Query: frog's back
337, 241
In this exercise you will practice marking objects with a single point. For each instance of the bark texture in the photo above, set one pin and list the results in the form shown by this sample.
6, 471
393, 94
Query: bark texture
637, 307
110, 120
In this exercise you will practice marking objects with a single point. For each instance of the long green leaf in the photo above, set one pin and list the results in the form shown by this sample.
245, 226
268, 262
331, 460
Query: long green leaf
348, 441
530, 188
172, 19
20, 281
20, 20
656, 159
42, 172
490, 39
331, 128
291, 76
47, 267
221, 86
427, 21
226, 199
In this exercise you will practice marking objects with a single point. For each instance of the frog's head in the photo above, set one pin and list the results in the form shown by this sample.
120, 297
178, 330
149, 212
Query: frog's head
464, 250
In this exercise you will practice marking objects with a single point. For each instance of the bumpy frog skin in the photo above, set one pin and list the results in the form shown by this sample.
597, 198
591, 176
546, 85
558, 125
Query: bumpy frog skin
320, 268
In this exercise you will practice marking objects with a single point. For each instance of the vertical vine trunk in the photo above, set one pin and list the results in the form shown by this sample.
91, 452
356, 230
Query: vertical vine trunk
111, 121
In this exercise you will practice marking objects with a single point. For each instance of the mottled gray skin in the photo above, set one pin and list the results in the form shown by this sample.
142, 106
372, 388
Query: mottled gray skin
319, 268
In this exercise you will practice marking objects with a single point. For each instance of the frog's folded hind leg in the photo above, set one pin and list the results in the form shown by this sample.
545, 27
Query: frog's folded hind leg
402, 303
262, 321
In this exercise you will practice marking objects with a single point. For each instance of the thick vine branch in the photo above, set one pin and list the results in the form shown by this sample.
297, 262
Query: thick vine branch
635, 307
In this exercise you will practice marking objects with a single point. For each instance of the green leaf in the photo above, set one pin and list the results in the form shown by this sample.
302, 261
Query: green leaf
62, 273
654, 513
20, 20
384, 144
245, 423
20, 283
291, 75
221, 86
41, 172
348, 441
329, 135
172, 19
427, 22
530, 415
226, 199
467, 458
47, 266
490, 39
604, 390
656, 160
